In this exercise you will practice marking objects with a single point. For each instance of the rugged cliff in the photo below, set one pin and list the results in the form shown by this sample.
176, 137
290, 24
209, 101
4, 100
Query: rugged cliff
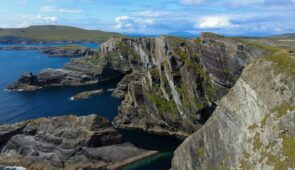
252, 126
175, 83
172, 84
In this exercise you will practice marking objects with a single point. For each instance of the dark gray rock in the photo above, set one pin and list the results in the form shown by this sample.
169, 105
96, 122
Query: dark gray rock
58, 51
66, 142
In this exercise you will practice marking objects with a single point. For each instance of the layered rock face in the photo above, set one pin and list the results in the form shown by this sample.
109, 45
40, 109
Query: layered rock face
67, 142
252, 127
175, 83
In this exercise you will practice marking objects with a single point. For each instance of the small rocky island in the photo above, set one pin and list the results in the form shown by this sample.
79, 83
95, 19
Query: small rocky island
67, 142
87, 94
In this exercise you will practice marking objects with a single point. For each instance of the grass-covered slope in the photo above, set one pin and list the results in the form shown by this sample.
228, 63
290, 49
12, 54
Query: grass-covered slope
287, 36
54, 33
282, 40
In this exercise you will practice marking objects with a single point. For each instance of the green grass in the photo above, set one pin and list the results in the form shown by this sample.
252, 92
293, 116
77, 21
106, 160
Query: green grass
289, 150
283, 58
256, 142
127, 51
49, 33
163, 105
283, 109
284, 62
201, 151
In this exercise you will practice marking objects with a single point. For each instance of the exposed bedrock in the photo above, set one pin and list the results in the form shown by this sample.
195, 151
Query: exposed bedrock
252, 127
176, 83
67, 142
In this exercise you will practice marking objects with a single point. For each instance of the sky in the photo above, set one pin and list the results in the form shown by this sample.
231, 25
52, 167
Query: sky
228, 17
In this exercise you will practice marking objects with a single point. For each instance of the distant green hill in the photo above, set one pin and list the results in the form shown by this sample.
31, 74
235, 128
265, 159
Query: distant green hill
54, 33
286, 36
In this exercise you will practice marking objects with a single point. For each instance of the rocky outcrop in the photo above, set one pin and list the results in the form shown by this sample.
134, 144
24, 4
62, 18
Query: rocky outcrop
176, 83
60, 51
253, 125
52, 78
68, 51
89, 69
87, 94
67, 142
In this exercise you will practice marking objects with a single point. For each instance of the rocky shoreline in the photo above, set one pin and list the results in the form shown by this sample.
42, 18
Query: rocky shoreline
54, 51
66, 142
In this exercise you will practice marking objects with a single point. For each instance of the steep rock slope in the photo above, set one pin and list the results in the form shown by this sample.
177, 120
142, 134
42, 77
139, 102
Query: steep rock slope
175, 83
253, 126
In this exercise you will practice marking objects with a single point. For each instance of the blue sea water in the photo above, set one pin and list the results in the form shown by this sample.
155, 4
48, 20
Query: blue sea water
19, 106
84, 44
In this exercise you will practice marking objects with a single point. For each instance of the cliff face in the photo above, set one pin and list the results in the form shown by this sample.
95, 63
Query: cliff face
175, 83
253, 125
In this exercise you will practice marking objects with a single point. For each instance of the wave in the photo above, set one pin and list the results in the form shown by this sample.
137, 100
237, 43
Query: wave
13, 168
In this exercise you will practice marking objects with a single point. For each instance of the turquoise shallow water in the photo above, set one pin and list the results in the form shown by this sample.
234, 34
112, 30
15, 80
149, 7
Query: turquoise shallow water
19, 106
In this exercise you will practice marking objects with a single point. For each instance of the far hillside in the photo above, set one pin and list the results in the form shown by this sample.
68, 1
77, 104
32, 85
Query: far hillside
282, 40
53, 33
285, 36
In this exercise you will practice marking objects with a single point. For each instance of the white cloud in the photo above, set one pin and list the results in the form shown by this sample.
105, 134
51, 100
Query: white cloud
210, 22
138, 20
20, 21
191, 2
244, 2
123, 22
149, 13
53, 9
40, 18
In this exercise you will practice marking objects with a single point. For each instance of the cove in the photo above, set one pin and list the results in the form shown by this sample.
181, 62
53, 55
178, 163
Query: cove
19, 106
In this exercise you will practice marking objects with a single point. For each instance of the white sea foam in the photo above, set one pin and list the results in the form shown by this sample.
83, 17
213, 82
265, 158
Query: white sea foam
13, 168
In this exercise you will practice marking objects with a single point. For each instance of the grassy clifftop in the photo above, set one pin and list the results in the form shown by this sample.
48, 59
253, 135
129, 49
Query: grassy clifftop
54, 33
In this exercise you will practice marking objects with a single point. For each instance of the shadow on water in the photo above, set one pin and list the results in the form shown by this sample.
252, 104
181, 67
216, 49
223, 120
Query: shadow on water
165, 144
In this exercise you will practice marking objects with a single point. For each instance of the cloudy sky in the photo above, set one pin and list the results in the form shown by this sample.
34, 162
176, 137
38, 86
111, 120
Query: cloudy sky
236, 17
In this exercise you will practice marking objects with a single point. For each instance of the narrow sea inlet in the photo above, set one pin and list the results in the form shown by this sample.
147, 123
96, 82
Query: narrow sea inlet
19, 106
